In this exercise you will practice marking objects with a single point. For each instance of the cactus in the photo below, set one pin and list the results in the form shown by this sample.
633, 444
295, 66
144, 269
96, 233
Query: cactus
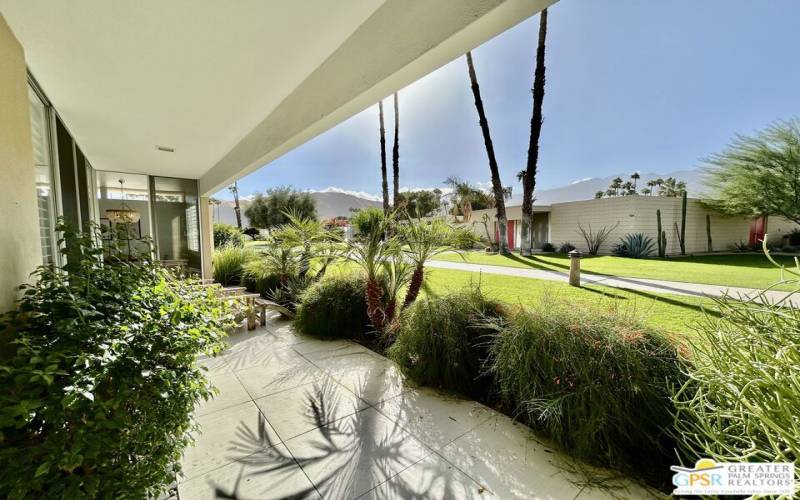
662, 247
682, 238
708, 233
663, 242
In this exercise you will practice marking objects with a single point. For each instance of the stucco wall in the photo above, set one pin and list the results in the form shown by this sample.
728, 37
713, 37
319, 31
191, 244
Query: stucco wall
20, 250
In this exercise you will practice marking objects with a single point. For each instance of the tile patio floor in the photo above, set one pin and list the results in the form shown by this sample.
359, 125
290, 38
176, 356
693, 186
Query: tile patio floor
298, 417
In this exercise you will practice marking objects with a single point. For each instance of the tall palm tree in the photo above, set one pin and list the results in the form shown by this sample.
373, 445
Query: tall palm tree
616, 184
215, 203
234, 188
384, 181
650, 185
396, 154
529, 175
635, 177
497, 185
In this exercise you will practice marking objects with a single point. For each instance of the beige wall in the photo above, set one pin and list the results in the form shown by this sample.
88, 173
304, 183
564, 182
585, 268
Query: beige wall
20, 250
637, 214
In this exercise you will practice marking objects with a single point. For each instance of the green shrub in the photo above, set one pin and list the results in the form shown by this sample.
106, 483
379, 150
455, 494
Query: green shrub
229, 262
227, 235
742, 400
464, 238
596, 382
334, 308
366, 219
98, 397
634, 245
259, 275
443, 342
548, 247
566, 247
794, 237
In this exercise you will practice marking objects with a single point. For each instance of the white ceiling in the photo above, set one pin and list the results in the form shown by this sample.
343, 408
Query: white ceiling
188, 74
233, 85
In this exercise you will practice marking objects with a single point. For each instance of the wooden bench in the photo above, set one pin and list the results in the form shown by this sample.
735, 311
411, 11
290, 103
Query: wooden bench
263, 305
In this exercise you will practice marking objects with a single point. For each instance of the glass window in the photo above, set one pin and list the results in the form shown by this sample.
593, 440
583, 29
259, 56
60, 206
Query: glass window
123, 203
176, 215
40, 134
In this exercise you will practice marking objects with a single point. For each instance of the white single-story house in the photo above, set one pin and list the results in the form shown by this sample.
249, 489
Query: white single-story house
558, 223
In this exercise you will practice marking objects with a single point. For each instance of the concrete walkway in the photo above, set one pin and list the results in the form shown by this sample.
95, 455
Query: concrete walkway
644, 284
303, 418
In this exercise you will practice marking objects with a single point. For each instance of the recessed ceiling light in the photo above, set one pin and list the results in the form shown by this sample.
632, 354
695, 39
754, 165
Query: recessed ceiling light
165, 149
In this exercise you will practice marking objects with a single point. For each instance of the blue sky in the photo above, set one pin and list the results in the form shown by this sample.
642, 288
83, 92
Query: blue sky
631, 85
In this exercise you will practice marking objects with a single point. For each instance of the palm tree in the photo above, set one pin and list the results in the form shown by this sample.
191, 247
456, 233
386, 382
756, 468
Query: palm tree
650, 184
462, 194
215, 203
599, 194
628, 189
635, 177
659, 183
422, 240
646, 191
611, 192
234, 188
396, 154
529, 175
616, 184
497, 185
384, 182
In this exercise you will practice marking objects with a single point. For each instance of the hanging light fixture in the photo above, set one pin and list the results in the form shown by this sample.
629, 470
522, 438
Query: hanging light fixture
124, 214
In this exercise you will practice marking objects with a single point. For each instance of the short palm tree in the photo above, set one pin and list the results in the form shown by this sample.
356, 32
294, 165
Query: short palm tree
422, 240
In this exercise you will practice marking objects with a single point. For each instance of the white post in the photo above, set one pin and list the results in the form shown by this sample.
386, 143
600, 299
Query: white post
206, 237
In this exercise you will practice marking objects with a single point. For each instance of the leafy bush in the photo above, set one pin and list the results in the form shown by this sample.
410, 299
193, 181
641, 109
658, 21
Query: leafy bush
464, 238
229, 262
441, 342
259, 276
548, 247
227, 235
98, 397
794, 237
273, 209
596, 382
334, 308
742, 400
366, 219
634, 245
566, 247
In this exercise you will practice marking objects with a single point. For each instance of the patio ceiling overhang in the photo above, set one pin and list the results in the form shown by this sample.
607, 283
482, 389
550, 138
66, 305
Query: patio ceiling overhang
231, 86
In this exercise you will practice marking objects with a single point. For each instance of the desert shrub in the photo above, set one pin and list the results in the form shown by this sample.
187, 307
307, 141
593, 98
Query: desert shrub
229, 262
794, 237
742, 400
566, 247
335, 307
464, 238
227, 235
596, 382
635, 246
259, 276
548, 247
97, 398
443, 342
366, 219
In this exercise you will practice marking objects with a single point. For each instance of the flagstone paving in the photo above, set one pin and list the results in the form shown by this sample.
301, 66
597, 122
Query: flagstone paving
300, 418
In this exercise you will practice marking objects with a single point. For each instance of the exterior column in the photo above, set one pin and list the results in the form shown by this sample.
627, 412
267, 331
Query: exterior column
206, 237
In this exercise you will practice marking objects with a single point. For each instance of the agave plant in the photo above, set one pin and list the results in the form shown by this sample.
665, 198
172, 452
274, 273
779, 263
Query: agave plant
635, 246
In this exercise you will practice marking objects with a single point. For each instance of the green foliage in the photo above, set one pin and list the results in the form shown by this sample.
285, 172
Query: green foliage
421, 203
794, 237
366, 219
566, 247
441, 342
758, 175
334, 308
634, 245
595, 239
229, 262
548, 247
742, 399
464, 238
227, 235
98, 397
597, 383
272, 210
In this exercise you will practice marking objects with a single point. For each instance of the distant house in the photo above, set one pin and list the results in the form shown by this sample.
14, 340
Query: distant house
558, 223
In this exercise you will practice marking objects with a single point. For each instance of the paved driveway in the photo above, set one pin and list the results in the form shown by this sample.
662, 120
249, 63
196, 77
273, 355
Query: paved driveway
303, 418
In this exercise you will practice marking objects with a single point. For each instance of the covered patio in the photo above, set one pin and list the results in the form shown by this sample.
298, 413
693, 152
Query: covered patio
298, 417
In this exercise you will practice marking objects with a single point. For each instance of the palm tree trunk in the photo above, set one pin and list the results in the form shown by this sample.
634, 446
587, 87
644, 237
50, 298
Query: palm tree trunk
497, 185
384, 182
396, 154
374, 296
236, 207
529, 179
414, 286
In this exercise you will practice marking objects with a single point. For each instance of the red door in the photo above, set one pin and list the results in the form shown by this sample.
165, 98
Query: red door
757, 230
509, 232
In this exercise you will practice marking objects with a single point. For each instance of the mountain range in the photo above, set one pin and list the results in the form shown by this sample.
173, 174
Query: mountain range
333, 202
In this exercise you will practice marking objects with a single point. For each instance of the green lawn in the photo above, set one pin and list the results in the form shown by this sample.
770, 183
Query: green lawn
741, 270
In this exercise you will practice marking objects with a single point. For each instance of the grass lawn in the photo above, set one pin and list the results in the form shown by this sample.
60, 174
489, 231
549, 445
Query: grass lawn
673, 313
740, 270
